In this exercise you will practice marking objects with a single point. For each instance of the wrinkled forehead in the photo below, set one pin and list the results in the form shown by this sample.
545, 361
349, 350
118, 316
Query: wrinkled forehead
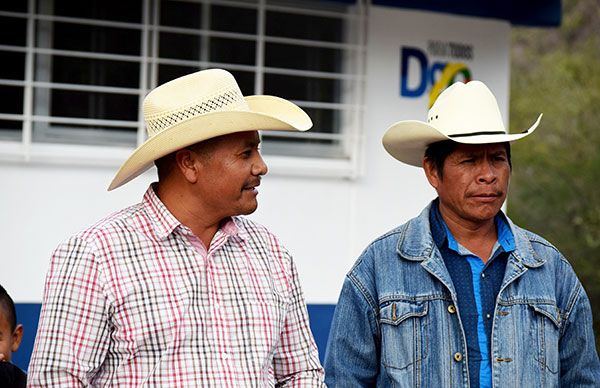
247, 137
462, 148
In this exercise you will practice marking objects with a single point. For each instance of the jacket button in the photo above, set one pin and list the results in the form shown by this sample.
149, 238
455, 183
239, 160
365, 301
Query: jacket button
451, 309
457, 357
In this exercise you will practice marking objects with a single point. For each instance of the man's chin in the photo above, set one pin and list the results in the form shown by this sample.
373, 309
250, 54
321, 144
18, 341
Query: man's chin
486, 214
248, 209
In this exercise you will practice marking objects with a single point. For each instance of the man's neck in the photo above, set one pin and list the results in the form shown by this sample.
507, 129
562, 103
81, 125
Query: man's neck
190, 212
477, 237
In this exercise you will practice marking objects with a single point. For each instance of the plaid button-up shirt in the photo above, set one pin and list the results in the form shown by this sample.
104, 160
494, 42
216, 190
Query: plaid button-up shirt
136, 300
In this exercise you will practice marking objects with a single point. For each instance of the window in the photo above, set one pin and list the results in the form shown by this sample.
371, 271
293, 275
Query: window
75, 73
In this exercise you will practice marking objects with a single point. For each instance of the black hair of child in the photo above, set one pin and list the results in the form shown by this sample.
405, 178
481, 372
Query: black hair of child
7, 303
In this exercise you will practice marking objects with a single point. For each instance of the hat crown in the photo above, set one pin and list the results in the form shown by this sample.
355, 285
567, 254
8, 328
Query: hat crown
466, 108
190, 96
464, 113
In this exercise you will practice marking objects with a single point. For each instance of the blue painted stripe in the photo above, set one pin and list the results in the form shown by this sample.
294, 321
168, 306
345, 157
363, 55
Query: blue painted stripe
320, 316
27, 315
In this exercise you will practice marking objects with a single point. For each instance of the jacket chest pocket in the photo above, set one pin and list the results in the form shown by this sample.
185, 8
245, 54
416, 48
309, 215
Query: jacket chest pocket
545, 334
403, 328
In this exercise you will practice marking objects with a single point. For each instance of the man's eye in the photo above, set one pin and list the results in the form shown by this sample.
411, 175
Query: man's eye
468, 160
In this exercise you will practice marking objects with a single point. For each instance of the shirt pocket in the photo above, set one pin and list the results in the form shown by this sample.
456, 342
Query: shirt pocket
545, 335
403, 328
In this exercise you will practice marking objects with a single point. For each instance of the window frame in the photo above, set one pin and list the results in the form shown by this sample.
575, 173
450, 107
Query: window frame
30, 149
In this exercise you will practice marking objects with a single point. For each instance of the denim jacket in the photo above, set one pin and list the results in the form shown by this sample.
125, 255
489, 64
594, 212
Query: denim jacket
396, 323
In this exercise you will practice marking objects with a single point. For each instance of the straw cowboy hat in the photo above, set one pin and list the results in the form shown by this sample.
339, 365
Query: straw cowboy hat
465, 113
200, 106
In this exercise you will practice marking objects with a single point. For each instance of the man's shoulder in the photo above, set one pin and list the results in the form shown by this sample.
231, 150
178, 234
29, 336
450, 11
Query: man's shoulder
382, 248
400, 230
414, 231
538, 253
538, 243
117, 223
389, 237
264, 244
250, 226
256, 232
551, 272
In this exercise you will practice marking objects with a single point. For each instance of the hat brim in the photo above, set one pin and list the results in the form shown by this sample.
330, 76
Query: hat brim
266, 113
407, 140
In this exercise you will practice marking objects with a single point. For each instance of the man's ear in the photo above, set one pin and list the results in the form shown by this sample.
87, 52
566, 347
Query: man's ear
431, 173
17, 337
188, 164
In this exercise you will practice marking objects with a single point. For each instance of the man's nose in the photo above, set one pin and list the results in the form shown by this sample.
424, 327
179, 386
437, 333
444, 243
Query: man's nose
487, 172
259, 167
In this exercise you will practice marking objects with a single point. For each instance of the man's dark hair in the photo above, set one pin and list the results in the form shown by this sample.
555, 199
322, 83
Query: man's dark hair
438, 152
8, 305
165, 165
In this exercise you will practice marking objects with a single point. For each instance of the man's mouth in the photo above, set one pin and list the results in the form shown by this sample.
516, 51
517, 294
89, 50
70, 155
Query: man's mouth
251, 187
487, 197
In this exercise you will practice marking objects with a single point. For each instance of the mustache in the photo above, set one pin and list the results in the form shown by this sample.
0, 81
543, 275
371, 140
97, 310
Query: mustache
253, 182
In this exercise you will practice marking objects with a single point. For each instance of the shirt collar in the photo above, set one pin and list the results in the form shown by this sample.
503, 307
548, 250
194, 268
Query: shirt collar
442, 234
506, 239
229, 227
163, 222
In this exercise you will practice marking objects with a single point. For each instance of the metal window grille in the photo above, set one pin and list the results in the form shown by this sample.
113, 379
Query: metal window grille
75, 73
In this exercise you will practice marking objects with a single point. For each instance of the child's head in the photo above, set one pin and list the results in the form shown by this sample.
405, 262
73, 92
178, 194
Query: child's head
10, 332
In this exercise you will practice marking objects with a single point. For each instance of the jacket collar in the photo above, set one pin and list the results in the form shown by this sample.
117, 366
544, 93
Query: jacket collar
416, 242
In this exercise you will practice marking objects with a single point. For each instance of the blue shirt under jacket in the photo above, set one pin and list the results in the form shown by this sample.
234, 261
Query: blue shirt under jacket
477, 285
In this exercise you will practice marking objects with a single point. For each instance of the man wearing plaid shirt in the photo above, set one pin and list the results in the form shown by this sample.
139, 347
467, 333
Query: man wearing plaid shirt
179, 290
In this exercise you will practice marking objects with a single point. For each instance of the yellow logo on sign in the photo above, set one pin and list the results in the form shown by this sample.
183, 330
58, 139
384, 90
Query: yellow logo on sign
448, 77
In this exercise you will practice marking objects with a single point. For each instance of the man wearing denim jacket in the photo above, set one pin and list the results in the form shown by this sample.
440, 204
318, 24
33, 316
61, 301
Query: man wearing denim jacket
460, 296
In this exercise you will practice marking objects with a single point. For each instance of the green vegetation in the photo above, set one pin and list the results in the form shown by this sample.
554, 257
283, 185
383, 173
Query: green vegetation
555, 188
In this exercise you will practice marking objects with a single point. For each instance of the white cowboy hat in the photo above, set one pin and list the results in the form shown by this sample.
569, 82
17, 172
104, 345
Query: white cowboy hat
200, 106
465, 113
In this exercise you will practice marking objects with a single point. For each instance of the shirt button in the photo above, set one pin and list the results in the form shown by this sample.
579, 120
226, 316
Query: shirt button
458, 357
488, 316
451, 309
483, 274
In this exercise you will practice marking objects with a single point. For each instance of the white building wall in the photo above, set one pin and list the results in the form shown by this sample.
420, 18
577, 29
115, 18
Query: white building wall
324, 221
